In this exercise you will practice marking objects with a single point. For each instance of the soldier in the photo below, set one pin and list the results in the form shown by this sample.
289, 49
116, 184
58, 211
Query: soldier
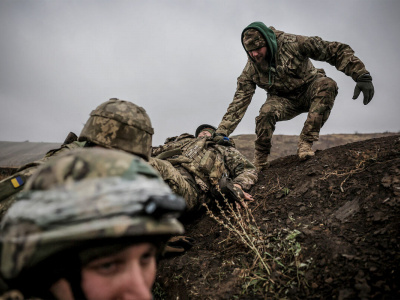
279, 63
198, 169
114, 124
88, 225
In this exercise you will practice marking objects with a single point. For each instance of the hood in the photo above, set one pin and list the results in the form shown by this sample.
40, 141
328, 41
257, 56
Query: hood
269, 36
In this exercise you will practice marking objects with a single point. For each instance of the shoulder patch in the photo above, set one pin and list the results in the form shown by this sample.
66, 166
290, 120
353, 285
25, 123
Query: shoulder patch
17, 182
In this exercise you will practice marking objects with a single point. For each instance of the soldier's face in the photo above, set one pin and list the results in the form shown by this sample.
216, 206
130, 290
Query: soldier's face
259, 54
204, 133
128, 274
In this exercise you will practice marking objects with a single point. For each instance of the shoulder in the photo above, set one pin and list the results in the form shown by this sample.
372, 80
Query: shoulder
248, 71
284, 37
65, 147
185, 136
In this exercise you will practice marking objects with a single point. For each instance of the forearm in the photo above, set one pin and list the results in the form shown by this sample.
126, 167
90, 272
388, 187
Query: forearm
340, 55
236, 110
242, 171
246, 179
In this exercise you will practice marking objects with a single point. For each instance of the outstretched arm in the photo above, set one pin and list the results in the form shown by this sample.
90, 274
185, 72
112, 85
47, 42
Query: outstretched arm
244, 93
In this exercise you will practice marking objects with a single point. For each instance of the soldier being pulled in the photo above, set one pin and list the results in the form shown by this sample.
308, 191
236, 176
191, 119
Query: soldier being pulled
280, 63
199, 169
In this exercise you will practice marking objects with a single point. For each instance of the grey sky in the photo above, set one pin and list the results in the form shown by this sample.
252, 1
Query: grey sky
179, 59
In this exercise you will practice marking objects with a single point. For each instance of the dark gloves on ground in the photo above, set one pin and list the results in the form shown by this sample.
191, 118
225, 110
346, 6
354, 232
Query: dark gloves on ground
364, 84
178, 245
221, 139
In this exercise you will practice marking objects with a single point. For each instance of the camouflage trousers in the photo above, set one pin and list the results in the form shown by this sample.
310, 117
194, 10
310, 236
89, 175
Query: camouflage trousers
317, 99
177, 182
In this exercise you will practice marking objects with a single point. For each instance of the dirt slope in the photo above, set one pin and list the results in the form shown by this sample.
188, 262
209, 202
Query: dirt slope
284, 145
326, 228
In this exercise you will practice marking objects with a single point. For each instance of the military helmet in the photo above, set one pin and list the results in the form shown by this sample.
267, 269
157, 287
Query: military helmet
204, 127
121, 125
83, 197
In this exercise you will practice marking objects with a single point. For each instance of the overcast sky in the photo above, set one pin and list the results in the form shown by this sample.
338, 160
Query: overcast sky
179, 59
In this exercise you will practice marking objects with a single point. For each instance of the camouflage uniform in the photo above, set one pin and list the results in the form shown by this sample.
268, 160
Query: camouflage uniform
193, 167
78, 204
114, 124
293, 84
10, 186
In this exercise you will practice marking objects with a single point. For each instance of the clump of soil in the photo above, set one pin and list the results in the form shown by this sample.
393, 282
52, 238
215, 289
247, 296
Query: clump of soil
327, 228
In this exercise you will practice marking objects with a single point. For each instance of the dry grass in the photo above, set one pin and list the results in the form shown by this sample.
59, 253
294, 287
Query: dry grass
275, 256
363, 159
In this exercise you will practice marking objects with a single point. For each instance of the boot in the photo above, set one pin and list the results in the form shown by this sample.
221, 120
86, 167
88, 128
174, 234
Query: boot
261, 160
304, 150
177, 245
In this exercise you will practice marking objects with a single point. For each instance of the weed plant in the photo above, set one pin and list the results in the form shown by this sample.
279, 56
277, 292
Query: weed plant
276, 266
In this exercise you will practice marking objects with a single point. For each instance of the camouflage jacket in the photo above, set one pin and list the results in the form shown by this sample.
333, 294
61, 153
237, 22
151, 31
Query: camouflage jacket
207, 161
11, 185
294, 71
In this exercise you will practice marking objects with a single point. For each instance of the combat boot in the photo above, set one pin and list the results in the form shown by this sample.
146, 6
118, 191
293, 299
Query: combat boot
261, 160
304, 150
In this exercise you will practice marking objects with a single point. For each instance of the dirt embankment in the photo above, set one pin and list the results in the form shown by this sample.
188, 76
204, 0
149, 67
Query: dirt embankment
326, 228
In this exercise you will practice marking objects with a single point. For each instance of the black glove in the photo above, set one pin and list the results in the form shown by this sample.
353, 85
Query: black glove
177, 245
364, 84
221, 139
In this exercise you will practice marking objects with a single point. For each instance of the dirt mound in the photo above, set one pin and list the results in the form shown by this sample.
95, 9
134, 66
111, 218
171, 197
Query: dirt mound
326, 228
284, 145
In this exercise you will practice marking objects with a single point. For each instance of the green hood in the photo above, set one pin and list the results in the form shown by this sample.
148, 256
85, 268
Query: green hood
270, 38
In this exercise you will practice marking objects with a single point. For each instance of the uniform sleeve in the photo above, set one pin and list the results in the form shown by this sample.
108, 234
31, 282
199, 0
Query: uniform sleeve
244, 93
163, 148
241, 170
15, 183
339, 55
169, 147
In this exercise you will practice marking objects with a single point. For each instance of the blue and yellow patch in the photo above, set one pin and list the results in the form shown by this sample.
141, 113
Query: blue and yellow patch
17, 182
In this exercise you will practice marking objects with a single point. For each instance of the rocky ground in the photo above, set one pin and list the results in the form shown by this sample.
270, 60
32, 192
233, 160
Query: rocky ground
326, 228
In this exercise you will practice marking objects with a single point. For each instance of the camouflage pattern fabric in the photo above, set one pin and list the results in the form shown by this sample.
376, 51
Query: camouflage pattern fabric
253, 39
120, 125
85, 195
317, 100
207, 163
179, 183
8, 188
293, 75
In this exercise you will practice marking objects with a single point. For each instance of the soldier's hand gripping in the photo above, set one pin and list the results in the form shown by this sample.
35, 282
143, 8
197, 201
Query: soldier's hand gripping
245, 196
364, 84
221, 139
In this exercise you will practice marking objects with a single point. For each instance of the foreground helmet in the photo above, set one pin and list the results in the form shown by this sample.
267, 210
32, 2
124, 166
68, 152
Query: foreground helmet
80, 199
121, 125
203, 127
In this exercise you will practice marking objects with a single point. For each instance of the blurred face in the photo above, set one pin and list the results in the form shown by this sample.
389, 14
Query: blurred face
128, 274
204, 133
259, 54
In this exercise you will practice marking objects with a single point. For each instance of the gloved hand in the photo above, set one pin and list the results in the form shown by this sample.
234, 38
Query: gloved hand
177, 245
221, 139
364, 84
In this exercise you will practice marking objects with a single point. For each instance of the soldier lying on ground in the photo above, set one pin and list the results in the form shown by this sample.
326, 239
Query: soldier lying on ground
198, 169
88, 225
280, 63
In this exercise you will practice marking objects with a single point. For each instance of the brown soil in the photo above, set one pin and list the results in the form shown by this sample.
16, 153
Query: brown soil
330, 224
